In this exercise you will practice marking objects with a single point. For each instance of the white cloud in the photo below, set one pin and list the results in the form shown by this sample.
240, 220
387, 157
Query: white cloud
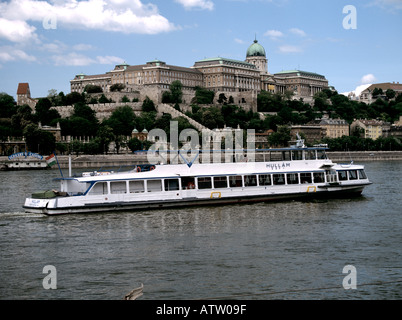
273, 34
239, 41
16, 30
298, 32
196, 4
83, 47
54, 47
368, 79
8, 53
109, 60
290, 49
126, 16
76, 59
72, 59
393, 4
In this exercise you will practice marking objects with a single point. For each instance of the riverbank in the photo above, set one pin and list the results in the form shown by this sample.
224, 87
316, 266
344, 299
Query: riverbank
356, 156
121, 160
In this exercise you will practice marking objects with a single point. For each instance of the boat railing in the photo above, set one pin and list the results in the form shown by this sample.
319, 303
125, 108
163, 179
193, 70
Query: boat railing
117, 169
242, 155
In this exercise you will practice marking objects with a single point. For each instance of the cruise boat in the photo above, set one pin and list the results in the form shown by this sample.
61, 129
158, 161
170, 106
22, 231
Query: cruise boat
277, 174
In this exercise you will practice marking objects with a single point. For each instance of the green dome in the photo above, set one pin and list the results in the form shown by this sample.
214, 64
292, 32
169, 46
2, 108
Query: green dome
256, 50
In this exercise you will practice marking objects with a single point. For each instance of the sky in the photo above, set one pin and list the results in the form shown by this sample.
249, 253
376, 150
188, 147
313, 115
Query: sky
46, 43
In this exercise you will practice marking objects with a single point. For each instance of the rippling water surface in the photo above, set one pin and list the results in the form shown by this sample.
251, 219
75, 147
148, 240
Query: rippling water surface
285, 250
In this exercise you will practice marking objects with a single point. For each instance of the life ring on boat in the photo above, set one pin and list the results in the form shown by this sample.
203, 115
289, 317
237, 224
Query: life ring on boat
138, 169
152, 168
191, 185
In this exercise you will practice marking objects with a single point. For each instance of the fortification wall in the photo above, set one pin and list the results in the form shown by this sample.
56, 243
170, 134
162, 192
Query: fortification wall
103, 110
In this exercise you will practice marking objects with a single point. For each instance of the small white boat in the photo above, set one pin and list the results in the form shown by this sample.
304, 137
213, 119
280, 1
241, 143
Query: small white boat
24, 165
24, 161
286, 173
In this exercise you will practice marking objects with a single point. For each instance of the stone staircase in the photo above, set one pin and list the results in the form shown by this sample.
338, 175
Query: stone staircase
165, 108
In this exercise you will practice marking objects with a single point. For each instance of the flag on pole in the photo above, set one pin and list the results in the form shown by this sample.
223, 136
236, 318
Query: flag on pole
51, 160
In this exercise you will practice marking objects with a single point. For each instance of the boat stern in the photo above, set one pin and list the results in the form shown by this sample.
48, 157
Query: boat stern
39, 202
33, 205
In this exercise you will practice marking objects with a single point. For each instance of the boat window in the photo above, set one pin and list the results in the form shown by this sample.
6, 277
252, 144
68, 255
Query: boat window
154, 185
220, 182
275, 156
204, 183
171, 184
118, 187
264, 180
286, 155
293, 178
321, 154
353, 175
188, 183
318, 177
362, 174
305, 177
250, 181
235, 181
297, 155
136, 186
342, 175
99, 188
309, 154
278, 178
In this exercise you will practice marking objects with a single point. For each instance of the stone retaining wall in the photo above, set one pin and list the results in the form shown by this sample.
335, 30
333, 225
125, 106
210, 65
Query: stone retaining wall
117, 160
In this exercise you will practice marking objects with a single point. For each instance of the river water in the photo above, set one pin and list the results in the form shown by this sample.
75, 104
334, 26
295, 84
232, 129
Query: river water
284, 250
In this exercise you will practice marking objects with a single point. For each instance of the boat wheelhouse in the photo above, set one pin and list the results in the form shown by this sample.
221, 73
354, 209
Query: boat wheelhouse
276, 174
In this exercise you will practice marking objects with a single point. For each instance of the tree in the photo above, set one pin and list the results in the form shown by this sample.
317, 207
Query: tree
117, 87
43, 112
269, 102
84, 111
122, 121
103, 99
125, 99
280, 138
91, 88
21, 119
320, 101
222, 98
328, 92
83, 122
163, 122
148, 105
376, 92
203, 96
105, 136
166, 98
212, 118
73, 97
51, 94
390, 94
145, 121
38, 140
7, 105
5, 129
176, 93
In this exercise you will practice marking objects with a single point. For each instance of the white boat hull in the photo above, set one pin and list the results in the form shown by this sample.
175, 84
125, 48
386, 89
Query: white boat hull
216, 198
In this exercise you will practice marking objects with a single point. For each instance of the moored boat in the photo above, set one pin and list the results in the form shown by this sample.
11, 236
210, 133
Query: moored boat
24, 161
285, 173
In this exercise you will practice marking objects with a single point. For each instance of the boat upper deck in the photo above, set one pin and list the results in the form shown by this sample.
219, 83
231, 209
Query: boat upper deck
256, 161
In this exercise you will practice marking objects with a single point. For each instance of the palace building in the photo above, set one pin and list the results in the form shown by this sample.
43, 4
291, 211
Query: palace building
221, 75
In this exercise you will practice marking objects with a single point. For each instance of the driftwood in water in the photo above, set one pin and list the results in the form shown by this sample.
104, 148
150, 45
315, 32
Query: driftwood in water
134, 294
